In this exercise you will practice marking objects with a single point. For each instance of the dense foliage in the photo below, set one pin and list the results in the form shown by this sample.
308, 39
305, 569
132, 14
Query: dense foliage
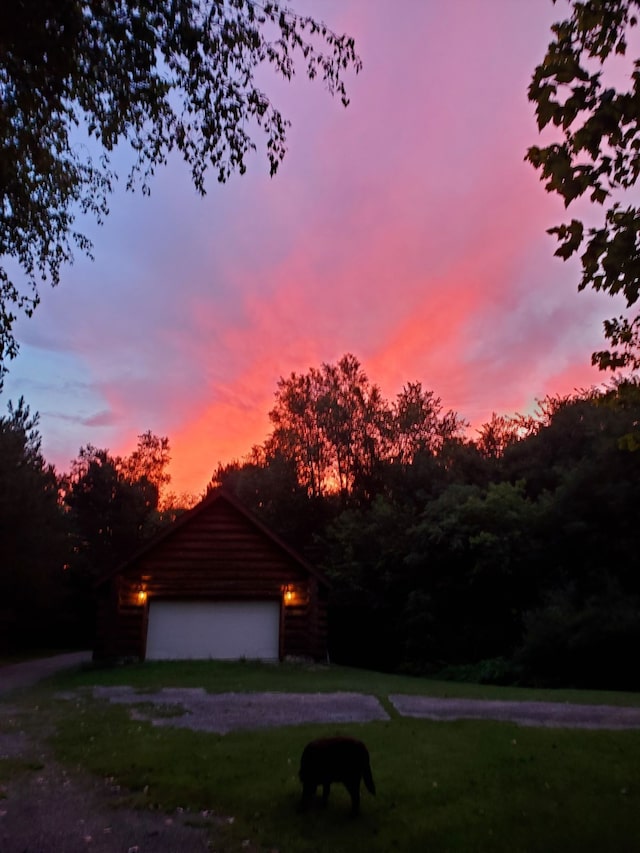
58, 534
513, 557
579, 89
80, 77
32, 534
509, 558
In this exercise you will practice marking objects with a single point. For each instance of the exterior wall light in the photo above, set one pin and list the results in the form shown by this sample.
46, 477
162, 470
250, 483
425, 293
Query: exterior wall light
294, 594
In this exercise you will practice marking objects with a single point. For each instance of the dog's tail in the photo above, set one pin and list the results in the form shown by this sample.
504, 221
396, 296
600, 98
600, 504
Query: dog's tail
367, 778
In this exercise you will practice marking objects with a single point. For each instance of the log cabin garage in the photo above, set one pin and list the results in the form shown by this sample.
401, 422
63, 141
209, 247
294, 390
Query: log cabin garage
215, 585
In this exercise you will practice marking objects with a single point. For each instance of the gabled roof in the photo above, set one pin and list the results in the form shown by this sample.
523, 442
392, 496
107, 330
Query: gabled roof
184, 520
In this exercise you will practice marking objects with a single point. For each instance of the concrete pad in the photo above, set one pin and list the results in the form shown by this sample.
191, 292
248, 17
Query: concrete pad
225, 712
551, 714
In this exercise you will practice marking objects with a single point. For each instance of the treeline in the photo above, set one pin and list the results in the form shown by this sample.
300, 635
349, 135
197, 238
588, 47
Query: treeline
513, 557
510, 557
60, 532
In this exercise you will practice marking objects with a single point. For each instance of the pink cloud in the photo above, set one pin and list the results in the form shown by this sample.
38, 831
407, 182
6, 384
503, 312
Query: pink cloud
407, 229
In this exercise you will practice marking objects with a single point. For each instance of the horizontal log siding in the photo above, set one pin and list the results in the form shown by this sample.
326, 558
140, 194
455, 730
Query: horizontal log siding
296, 630
218, 555
120, 625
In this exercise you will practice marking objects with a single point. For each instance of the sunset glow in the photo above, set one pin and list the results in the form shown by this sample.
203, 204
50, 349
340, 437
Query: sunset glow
406, 229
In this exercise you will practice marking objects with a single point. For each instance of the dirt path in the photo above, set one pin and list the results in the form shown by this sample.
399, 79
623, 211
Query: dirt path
48, 808
19, 675
54, 810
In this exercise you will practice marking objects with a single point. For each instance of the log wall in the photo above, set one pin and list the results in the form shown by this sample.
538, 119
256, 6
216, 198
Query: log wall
217, 553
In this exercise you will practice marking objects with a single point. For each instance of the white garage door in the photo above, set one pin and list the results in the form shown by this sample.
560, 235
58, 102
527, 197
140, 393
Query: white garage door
221, 630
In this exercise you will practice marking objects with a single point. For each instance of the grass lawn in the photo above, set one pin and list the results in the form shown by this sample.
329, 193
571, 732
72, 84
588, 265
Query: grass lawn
220, 677
442, 787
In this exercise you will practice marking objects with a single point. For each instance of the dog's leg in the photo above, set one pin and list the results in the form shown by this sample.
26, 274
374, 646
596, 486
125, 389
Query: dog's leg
353, 787
308, 793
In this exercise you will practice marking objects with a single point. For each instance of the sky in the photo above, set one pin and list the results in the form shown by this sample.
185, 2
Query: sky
406, 229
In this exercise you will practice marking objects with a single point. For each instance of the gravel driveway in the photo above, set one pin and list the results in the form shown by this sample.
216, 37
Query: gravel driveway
52, 808
226, 711
548, 714
194, 708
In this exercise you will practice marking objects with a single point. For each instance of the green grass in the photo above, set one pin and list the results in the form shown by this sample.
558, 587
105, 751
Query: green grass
442, 787
466, 786
219, 677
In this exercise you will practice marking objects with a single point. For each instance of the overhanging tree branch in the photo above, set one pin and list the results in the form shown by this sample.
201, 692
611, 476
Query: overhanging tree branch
599, 153
160, 75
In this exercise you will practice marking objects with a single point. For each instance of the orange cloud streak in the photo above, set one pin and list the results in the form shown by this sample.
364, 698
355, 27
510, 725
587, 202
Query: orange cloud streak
407, 231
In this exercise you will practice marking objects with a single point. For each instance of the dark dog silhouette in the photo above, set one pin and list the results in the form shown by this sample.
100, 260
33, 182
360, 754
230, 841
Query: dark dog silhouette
335, 759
